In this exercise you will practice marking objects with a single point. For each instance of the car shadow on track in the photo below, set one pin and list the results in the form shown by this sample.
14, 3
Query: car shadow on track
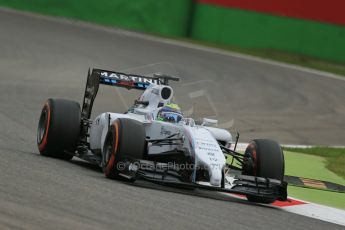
191, 192
85, 164
196, 192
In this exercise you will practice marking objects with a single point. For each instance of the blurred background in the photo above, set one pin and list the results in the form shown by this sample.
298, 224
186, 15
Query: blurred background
306, 32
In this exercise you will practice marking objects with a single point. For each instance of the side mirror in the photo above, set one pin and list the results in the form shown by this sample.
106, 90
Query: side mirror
209, 122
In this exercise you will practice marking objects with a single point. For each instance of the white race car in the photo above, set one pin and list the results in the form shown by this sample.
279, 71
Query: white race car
154, 141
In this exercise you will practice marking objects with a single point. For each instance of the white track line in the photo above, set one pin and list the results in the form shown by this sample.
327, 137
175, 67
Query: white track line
316, 211
174, 42
243, 146
320, 212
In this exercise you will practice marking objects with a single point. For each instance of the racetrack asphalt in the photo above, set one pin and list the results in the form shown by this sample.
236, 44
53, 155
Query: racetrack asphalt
42, 58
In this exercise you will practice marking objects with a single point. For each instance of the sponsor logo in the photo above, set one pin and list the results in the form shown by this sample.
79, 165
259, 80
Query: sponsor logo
125, 77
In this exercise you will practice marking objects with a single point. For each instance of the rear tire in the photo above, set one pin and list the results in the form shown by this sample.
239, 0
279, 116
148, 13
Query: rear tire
125, 142
59, 128
264, 158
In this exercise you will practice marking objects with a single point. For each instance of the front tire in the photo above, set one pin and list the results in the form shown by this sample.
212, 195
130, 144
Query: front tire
264, 158
125, 143
59, 128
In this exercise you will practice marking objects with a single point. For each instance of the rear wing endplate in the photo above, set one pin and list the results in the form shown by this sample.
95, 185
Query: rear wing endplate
112, 78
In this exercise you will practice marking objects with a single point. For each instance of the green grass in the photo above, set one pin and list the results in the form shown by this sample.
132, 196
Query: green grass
281, 56
331, 199
334, 157
314, 167
299, 59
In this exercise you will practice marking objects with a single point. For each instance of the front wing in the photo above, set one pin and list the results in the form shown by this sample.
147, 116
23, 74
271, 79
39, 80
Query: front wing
243, 185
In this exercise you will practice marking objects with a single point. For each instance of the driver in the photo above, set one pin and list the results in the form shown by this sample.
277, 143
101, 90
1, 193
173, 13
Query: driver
170, 113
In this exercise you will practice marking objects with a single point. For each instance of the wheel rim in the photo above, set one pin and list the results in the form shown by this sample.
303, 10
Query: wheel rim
108, 149
251, 159
42, 126
108, 155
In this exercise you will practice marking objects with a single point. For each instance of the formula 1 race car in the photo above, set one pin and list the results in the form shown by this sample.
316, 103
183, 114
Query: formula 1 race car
153, 141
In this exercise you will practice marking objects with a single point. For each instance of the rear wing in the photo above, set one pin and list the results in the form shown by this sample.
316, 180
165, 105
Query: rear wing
112, 78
